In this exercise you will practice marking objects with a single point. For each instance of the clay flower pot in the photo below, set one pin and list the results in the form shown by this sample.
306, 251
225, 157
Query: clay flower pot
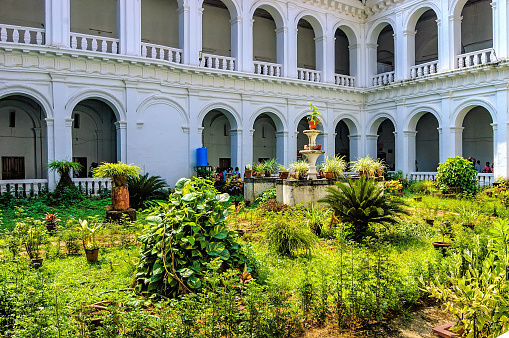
283, 175
247, 173
92, 254
329, 175
37, 262
312, 124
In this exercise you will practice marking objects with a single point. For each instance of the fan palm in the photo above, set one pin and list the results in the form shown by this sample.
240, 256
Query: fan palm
361, 203
145, 188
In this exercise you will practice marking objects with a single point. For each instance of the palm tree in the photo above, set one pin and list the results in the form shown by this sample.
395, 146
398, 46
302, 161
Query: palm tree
362, 202
145, 188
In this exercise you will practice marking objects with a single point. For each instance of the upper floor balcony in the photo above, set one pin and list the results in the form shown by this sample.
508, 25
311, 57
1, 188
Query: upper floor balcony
277, 45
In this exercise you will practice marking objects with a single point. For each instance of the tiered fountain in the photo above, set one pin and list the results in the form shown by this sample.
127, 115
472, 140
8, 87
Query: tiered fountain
312, 154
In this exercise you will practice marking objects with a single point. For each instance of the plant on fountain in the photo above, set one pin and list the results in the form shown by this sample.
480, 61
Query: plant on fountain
300, 167
334, 165
314, 116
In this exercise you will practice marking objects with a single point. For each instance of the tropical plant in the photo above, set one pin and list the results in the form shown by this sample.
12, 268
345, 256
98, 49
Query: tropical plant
315, 114
457, 172
118, 172
393, 186
281, 167
247, 167
363, 202
426, 187
335, 165
301, 167
33, 234
145, 188
259, 168
270, 165
365, 166
183, 237
64, 168
88, 233
379, 167
288, 237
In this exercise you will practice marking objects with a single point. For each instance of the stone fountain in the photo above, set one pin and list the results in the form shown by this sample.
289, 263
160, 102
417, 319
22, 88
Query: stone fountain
311, 154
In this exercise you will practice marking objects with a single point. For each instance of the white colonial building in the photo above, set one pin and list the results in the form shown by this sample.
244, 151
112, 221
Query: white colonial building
150, 81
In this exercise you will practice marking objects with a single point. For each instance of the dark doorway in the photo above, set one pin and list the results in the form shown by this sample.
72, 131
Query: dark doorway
225, 163
13, 168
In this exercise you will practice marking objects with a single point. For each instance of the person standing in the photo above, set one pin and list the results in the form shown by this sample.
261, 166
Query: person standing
478, 167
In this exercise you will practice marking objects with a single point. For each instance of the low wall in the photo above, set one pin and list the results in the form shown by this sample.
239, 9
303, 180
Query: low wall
295, 192
254, 187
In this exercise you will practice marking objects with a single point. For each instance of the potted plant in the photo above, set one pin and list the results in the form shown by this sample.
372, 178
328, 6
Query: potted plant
118, 173
33, 234
283, 172
468, 216
333, 167
314, 116
247, 171
259, 169
444, 228
300, 167
90, 245
64, 168
365, 166
51, 221
270, 167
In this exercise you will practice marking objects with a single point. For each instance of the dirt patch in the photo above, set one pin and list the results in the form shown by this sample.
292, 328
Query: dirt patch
415, 324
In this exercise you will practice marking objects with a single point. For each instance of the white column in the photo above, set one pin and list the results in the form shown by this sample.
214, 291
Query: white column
408, 56
291, 70
281, 146
398, 151
190, 33
121, 141
454, 43
400, 49
129, 26
248, 46
50, 139
355, 143
355, 64
371, 145
57, 22
237, 42
372, 63
321, 59
443, 46
442, 157
282, 48
236, 147
456, 141
500, 28
409, 151
68, 136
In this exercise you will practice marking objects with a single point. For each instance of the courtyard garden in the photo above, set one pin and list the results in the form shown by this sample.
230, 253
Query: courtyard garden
199, 263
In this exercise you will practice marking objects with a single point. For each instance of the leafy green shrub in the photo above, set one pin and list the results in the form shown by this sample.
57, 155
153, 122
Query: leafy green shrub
66, 197
427, 187
457, 172
363, 202
288, 237
269, 194
183, 237
145, 188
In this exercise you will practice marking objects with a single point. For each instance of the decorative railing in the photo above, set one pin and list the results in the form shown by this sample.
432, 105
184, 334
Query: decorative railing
424, 69
94, 43
267, 68
483, 178
23, 35
344, 80
217, 62
92, 186
383, 79
476, 58
159, 52
309, 74
23, 188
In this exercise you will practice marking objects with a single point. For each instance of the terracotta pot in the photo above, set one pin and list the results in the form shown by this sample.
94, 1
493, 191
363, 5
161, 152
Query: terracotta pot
247, 173
430, 221
441, 245
312, 124
283, 175
50, 227
417, 198
329, 175
92, 254
37, 262
120, 198
267, 174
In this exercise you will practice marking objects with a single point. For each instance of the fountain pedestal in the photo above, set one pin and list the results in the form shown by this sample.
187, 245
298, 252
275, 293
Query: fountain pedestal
312, 155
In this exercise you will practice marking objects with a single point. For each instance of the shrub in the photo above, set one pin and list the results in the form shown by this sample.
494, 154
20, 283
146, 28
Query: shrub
145, 188
362, 202
427, 187
269, 194
183, 237
457, 172
64, 169
288, 237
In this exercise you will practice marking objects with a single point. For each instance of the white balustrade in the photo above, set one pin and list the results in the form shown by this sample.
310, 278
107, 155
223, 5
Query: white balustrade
309, 74
424, 69
484, 179
23, 188
476, 58
383, 79
159, 52
344, 80
21, 35
267, 68
217, 62
94, 43
92, 186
